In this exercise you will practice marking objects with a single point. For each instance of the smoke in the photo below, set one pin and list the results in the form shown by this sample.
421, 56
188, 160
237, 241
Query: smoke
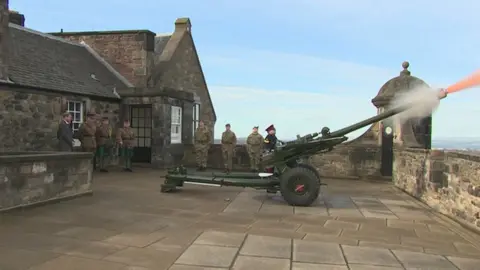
424, 100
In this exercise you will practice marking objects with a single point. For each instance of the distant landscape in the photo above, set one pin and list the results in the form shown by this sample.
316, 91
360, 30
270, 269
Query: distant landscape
442, 143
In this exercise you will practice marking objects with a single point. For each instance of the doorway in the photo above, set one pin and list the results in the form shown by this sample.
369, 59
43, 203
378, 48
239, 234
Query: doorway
387, 150
141, 122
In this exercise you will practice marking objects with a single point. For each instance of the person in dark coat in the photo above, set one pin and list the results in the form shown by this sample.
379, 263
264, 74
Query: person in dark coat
65, 133
270, 140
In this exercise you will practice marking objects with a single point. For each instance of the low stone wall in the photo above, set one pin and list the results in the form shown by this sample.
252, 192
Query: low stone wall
350, 160
29, 178
345, 161
447, 181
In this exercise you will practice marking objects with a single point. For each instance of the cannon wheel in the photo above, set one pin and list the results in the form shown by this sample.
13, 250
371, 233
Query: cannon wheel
299, 186
310, 167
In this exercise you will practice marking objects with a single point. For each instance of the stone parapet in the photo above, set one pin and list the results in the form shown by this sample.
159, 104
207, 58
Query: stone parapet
448, 181
30, 178
345, 161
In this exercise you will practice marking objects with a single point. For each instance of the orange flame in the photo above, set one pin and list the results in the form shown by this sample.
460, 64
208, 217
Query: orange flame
469, 82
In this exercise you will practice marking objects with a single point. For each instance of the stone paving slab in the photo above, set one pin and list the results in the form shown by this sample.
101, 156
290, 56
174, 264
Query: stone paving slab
211, 256
370, 256
317, 252
129, 225
267, 246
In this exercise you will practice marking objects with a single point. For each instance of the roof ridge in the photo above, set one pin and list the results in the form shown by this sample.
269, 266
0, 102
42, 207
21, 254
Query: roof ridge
29, 30
106, 64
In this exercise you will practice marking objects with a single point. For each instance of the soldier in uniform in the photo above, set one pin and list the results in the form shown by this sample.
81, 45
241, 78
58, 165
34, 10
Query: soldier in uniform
104, 143
271, 139
202, 141
254, 148
86, 134
126, 139
229, 141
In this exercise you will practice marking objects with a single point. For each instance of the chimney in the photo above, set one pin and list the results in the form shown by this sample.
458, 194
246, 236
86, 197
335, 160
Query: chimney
17, 18
183, 25
4, 36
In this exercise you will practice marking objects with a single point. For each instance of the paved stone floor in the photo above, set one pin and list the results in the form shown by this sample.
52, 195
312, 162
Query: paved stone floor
129, 225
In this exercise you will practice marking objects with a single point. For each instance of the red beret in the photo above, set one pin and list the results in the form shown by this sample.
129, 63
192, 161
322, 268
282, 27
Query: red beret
271, 127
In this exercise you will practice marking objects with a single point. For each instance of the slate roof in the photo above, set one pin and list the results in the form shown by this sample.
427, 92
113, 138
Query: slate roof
161, 42
42, 60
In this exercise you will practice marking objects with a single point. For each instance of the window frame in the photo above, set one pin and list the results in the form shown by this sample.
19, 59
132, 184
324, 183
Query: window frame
196, 118
176, 125
71, 104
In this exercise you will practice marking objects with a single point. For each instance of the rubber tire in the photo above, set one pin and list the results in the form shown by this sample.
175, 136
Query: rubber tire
307, 175
310, 167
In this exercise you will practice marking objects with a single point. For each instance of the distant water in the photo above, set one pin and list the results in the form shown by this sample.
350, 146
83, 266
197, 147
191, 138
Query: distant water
454, 143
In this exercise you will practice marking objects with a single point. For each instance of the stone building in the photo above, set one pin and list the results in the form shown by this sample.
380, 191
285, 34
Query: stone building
156, 81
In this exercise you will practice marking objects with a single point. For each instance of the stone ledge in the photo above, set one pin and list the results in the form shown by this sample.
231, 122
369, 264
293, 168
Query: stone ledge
14, 157
471, 156
38, 177
23, 207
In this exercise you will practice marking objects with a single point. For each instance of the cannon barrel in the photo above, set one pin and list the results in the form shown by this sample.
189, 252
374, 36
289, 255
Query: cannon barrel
344, 131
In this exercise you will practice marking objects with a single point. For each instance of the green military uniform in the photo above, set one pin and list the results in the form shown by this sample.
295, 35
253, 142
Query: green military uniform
87, 137
104, 143
229, 141
254, 149
202, 140
126, 140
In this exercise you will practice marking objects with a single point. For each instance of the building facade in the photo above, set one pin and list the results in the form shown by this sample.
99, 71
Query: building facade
155, 81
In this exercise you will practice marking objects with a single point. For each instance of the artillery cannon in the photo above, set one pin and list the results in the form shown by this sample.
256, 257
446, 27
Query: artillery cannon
299, 183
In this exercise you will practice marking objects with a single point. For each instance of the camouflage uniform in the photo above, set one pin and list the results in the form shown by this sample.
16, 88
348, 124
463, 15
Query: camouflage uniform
126, 139
229, 141
254, 148
104, 144
86, 135
202, 140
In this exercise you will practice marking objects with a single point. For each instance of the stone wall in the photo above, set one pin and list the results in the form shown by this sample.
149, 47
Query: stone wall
350, 160
183, 71
29, 118
447, 181
38, 177
164, 153
28, 121
345, 161
129, 52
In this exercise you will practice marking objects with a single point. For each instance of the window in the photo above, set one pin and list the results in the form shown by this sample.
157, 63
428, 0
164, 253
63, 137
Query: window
176, 133
196, 117
76, 108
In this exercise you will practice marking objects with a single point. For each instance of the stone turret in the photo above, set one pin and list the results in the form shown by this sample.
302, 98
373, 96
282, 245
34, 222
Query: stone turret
414, 132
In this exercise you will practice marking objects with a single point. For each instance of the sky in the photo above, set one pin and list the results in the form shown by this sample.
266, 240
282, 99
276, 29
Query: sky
302, 64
